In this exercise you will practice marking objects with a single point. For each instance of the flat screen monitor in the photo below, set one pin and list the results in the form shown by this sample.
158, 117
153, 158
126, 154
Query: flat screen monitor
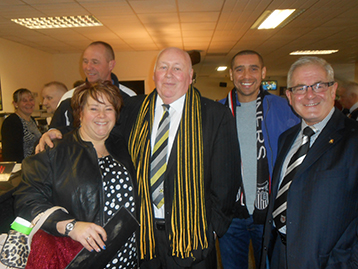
269, 85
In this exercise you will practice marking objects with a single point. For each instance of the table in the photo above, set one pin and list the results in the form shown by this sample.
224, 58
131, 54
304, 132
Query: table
7, 188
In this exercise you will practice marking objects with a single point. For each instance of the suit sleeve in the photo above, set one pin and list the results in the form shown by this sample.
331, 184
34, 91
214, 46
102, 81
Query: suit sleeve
225, 172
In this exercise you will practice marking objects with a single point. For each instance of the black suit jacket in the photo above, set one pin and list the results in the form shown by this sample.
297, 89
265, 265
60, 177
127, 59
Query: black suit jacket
354, 114
222, 175
322, 202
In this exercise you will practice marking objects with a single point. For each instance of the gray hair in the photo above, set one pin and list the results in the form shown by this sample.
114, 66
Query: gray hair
307, 60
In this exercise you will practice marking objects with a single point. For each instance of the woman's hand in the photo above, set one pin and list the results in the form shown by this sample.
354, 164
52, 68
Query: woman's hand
90, 235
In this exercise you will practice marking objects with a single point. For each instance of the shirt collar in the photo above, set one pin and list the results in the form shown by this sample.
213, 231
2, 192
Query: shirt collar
176, 105
318, 127
354, 107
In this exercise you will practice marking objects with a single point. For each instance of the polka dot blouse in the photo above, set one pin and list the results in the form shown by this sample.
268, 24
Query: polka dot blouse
118, 190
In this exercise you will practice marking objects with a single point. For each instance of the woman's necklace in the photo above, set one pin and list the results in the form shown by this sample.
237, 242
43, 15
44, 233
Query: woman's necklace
102, 153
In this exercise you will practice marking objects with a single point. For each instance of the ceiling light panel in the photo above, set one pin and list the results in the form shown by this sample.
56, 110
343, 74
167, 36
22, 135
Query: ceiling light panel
313, 52
221, 68
271, 19
58, 22
275, 18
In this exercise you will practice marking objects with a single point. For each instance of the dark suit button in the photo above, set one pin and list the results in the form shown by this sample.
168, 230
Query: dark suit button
265, 248
270, 221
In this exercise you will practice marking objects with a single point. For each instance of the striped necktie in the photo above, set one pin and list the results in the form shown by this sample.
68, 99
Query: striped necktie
158, 164
280, 206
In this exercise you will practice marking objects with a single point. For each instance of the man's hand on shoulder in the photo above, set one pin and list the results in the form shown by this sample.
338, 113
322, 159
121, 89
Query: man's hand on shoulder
46, 139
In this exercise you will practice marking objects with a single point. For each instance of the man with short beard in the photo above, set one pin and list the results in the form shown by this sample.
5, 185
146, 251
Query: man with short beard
260, 119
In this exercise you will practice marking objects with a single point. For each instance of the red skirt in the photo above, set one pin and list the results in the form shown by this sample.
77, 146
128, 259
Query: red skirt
51, 252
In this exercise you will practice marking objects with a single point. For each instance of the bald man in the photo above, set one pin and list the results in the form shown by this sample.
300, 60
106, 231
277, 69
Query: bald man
192, 200
51, 94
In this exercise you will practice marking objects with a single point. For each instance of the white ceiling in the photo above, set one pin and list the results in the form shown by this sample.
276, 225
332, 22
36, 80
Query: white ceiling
217, 28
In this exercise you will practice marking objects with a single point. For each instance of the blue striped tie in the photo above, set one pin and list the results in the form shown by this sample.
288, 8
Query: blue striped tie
158, 164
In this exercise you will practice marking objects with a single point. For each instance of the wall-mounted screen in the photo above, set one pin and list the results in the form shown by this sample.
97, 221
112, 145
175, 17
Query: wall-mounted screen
269, 85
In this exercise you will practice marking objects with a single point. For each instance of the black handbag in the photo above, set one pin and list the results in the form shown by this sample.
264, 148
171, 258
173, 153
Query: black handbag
119, 228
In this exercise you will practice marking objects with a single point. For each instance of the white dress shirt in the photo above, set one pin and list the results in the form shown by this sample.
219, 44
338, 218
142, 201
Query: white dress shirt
175, 113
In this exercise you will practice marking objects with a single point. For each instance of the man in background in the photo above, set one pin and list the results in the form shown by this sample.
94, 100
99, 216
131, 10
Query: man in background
348, 98
51, 94
313, 218
260, 119
98, 61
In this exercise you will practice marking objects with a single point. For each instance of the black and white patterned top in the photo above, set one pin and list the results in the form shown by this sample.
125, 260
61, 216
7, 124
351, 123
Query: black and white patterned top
118, 190
31, 136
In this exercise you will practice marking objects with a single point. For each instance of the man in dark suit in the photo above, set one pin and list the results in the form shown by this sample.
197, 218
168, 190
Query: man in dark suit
313, 218
201, 162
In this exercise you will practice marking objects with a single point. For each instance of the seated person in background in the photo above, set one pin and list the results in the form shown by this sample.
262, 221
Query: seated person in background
86, 173
19, 130
51, 94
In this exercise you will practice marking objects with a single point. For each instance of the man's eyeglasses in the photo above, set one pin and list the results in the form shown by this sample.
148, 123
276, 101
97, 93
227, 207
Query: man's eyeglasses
317, 87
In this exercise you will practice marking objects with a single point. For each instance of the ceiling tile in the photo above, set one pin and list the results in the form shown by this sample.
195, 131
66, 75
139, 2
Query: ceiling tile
162, 18
153, 6
200, 5
197, 17
215, 27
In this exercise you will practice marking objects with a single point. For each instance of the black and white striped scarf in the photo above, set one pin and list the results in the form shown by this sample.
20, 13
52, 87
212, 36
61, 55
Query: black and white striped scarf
263, 174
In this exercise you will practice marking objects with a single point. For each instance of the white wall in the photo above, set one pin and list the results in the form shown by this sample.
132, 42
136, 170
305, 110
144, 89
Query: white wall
25, 67
22, 67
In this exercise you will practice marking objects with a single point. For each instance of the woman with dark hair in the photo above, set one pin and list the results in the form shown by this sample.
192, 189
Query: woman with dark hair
19, 131
86, 173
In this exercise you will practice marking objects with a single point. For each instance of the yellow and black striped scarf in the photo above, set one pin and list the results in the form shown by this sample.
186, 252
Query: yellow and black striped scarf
188, 224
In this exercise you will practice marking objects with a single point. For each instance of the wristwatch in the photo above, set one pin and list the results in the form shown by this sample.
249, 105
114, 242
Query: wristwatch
70, 226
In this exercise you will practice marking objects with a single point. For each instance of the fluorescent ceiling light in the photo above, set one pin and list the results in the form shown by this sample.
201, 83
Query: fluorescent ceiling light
58, 22
271, 19
313, 52
275, 18
221, 68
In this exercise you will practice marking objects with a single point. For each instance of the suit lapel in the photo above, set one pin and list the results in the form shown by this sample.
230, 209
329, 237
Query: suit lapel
329, 136
173, 154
